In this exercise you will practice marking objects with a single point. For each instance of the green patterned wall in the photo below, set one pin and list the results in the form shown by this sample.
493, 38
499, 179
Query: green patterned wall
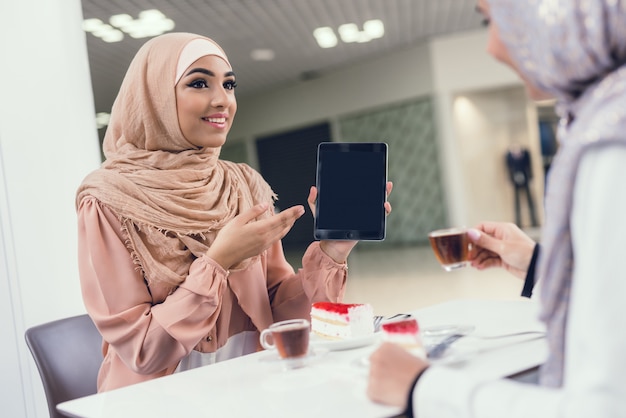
417, 197
235, 152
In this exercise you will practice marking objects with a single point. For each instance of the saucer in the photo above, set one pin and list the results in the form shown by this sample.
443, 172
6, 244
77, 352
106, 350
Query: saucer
314, 354
344, 344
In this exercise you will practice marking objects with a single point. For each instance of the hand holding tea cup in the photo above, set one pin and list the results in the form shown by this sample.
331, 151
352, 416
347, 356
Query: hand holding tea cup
501, 244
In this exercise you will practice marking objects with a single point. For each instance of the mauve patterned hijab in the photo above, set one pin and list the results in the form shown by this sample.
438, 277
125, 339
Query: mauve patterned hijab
171, 196
575, 50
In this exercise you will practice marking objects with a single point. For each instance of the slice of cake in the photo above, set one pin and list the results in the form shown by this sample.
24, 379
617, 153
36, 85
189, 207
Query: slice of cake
406, 333
339, 321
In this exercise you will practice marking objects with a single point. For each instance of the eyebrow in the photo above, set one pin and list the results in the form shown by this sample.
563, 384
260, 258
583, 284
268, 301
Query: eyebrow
208, 72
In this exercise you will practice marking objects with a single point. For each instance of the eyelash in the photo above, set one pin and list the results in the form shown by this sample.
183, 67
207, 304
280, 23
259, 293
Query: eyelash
199, 84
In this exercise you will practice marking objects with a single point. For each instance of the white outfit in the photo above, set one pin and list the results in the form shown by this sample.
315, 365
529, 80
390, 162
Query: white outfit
245, 342
595, 367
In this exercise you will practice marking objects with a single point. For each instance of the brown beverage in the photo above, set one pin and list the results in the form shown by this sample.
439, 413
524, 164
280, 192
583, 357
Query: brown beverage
292, 341
451, 247
290, 338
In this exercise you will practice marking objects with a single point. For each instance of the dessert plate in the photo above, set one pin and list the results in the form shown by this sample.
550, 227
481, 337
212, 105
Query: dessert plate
444, 331
345, 344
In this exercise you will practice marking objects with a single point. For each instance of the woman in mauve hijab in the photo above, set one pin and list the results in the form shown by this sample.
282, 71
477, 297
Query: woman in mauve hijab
180, 257
574, 51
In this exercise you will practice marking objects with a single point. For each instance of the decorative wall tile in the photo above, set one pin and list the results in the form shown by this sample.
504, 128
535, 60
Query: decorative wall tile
235, 152
417, 198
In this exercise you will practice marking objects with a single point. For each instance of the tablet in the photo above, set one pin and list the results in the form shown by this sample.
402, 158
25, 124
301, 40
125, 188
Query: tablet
351, 191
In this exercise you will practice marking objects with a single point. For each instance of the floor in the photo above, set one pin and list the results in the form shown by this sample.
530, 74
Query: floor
404, 279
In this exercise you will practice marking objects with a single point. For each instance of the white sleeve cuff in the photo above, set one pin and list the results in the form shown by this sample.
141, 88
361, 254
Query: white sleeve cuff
442, 392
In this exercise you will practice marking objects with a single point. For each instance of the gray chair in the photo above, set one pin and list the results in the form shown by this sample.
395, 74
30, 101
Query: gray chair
68, 354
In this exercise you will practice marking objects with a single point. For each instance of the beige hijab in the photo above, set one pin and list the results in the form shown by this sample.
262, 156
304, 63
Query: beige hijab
171, 196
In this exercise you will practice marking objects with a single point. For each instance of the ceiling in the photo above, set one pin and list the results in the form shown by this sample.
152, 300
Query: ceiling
285, 26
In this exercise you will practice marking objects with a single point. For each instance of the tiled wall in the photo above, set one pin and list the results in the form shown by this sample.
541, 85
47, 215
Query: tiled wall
417, 197
235, 151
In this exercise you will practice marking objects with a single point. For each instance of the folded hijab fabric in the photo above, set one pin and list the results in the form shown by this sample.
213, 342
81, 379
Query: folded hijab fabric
171, 196
575, 50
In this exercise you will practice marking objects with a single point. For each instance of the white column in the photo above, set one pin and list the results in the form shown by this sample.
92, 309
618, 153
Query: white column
48, 143
460, 64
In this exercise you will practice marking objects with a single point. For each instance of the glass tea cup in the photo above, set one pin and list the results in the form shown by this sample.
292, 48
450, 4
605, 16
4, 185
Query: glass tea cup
452, 247
290, 339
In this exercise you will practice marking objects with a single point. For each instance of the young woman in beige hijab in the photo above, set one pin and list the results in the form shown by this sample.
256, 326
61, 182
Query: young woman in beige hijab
180, 257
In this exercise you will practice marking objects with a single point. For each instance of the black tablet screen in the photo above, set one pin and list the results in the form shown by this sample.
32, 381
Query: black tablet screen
351, 181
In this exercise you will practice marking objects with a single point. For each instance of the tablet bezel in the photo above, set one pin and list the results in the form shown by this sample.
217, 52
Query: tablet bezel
353, 234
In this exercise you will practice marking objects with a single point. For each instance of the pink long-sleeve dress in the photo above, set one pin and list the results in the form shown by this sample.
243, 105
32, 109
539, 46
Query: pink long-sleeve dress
148, 329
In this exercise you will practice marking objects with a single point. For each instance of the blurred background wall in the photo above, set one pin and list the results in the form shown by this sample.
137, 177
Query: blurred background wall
449, 116
447, 110
48, 143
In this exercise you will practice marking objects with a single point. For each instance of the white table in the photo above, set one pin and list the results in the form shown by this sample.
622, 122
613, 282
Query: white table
333, 384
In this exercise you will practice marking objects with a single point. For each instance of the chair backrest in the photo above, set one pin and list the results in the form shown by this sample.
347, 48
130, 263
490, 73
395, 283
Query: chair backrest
68, 354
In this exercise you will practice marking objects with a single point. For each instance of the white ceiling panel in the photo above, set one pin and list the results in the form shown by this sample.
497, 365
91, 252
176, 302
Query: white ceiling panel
285, 26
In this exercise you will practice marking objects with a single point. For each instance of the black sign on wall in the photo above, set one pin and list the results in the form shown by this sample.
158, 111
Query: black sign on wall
287, 162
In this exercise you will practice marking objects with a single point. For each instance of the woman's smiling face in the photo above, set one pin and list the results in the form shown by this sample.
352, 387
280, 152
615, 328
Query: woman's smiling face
205, 101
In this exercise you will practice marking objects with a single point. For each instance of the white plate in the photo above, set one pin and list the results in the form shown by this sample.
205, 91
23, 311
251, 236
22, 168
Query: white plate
443, 331
345, 344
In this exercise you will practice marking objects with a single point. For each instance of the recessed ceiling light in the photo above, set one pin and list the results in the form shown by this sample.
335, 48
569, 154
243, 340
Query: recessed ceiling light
112, 36
101, 30
90, 25
262, 54
325, 37
150, 23
102, 119
349, 33
374, 28
121, 21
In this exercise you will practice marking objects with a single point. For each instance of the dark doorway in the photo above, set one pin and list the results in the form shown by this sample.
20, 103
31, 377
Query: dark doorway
287, 162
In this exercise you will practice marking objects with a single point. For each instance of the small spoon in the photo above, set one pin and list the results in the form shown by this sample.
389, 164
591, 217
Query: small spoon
438, 350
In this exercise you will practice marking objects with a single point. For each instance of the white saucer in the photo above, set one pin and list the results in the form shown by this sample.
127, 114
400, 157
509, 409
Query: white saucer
344, 344
314, 354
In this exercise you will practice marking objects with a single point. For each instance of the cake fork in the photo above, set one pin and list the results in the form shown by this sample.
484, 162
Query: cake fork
437, 350
378, 320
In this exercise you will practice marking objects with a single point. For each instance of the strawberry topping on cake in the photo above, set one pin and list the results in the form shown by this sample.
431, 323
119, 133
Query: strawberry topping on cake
404, 332
342, 320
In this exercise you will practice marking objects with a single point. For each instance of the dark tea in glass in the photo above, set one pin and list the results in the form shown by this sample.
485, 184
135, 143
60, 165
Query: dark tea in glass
451, 246
290, 338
